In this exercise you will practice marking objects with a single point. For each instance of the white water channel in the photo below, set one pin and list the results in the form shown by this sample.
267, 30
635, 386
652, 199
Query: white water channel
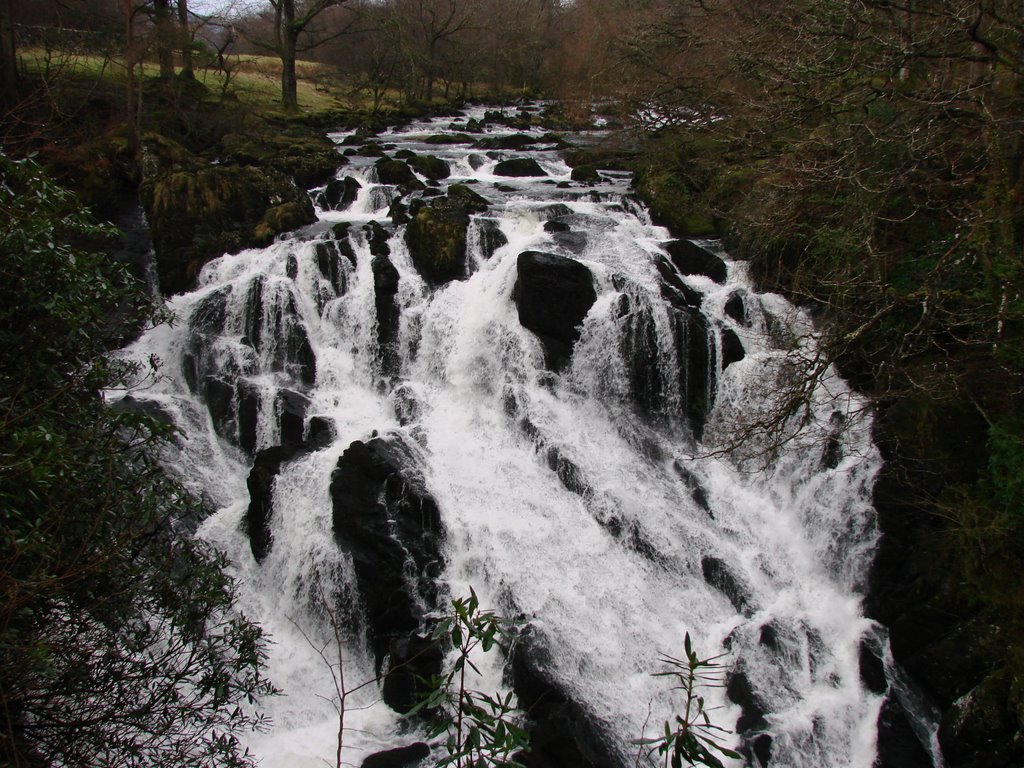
797, 537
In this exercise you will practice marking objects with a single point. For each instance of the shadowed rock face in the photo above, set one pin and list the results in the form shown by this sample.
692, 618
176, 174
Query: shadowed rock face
553, 295
387, 521
563, 734
258, 517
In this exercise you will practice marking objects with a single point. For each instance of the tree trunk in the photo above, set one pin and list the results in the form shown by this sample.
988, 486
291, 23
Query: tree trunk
164, 29
8, 57
130, 86
186, 40
289, 38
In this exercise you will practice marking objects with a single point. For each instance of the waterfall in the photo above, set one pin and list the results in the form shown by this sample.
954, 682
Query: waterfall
552, 405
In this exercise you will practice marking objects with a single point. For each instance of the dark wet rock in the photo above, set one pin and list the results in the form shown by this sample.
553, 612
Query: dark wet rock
265, 469
291, 408
736, 309
386, 520
872, 668
553, 295
273, 326
586, 174
691, 335
408, 756
431, 167
519, 166
568, 472
491, 237
397, 172
385, 287
339, 194
563, 733
760, 747
378, 238
770, 636
412, 662
697, 491
691, 259
199, 211
732, 348
752, 710
571, 241
720, 576
291, 268
321, 432
510, 141
329, 262
898, 744
551, 212
247, 414
372, 149
556, 226
674, 290
639, 348
398, 212
219, 395
436, 236
150, 409
476, 162
448, 138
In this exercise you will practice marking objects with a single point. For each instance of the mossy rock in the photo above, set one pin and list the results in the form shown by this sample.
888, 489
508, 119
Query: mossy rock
394, 172
199, 211
585, 173
672, 203
433, 168
309, 159
467, 198
436, 234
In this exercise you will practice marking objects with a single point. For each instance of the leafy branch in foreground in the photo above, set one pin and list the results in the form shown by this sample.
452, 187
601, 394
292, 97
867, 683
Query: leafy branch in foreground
120, 644
692, 739
482, 729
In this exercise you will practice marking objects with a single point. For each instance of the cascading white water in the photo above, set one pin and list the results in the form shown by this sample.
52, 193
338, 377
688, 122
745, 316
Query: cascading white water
602, 522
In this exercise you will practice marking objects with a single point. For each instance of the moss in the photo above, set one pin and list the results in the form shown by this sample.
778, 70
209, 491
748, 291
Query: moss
673, 203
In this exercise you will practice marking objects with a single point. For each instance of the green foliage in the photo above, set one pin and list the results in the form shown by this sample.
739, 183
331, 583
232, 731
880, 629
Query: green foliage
690, 738
482, 729
119, 644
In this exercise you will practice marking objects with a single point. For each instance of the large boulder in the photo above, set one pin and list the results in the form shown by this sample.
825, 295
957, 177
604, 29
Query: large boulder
388, 522
433, 168
198, 211
519, 166
436, 235
553, 295
692, 259
339, 194
395, 172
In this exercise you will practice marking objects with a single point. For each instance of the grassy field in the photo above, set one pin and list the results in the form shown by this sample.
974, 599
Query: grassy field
254, 80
